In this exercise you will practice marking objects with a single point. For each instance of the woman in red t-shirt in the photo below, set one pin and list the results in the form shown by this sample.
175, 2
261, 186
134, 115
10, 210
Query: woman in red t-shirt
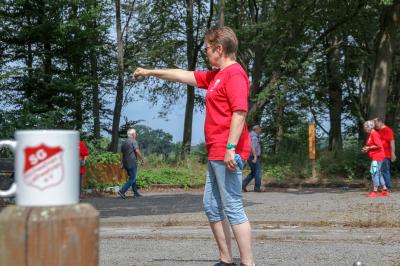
374, 148
83, 154
226, 137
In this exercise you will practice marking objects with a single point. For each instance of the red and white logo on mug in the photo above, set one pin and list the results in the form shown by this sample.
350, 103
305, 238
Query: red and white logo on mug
43, 166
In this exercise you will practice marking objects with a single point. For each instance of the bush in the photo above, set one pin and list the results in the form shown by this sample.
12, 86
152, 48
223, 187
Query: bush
287, 165
98, 153
349, 163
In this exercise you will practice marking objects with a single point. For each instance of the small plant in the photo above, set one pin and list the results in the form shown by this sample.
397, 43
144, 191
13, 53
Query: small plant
92, 183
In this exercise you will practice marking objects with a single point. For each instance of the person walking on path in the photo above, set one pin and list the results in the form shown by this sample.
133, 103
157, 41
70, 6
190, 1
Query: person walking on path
226, 135
374, 148
129, 153
83, 154
387, 137
254, 161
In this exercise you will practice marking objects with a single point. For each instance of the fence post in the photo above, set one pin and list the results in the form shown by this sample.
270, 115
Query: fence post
311, 150
49, 236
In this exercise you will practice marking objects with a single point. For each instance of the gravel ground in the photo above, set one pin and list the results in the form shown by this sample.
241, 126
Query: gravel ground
293, 227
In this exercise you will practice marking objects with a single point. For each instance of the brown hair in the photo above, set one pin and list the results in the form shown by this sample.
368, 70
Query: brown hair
225, 37
380, 118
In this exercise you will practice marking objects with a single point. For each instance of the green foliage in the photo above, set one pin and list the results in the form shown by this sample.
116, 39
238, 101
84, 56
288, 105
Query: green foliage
154, 141
25, 119
387, 2
92, 183
104, 158
170, 176
349, 163
200, 152
292, 161
46, 79
98, 153
286, 166
279, 172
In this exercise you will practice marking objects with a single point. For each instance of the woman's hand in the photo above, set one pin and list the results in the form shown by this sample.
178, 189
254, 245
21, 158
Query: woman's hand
229, 159
140, 72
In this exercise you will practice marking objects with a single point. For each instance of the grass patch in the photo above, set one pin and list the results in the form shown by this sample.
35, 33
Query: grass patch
182, 176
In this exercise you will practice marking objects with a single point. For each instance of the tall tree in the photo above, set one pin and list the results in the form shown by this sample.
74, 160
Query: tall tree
46, 75
120, 83
94, 72
334, 91
180, 27
191, 54
386, 44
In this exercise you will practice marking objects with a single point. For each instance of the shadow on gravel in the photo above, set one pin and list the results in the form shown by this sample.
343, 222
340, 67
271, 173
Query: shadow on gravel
150, 205
175, 261
301, 191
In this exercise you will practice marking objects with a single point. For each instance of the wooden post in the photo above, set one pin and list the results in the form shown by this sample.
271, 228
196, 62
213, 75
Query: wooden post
50, 236
311, 150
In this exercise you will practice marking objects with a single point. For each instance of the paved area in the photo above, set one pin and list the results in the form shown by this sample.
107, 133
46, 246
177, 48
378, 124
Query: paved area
294, 227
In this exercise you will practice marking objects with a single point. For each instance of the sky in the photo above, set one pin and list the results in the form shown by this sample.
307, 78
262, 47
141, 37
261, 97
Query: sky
172, 123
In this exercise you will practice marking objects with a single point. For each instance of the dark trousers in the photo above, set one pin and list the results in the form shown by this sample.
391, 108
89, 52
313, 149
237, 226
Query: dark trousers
385, 170
131, 180
255, 173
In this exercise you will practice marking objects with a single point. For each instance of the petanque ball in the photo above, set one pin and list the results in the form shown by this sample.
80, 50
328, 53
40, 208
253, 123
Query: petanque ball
358, 263
139, 78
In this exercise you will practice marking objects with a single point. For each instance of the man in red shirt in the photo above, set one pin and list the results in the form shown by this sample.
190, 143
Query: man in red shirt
387, 138
226, 135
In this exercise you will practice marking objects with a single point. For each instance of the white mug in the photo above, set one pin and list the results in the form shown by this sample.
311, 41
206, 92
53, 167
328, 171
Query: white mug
46, 167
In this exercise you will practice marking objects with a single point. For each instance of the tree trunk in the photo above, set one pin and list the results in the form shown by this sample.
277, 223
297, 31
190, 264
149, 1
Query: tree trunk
384, 61
47, 61
29, 57
95, 81
187, 128
77, 64
29, 61
221, 21
392, 115
95, 95
120, 83
335, 93
191, 59
254, 118
280, 116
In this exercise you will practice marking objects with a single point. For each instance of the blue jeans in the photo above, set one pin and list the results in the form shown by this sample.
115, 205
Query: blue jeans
255, 173
223, 194
385, 169
376, 173
131, 180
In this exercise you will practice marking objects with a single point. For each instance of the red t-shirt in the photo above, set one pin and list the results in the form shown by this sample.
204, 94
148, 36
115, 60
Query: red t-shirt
375, 140
83, 152
387, 136
227, 91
